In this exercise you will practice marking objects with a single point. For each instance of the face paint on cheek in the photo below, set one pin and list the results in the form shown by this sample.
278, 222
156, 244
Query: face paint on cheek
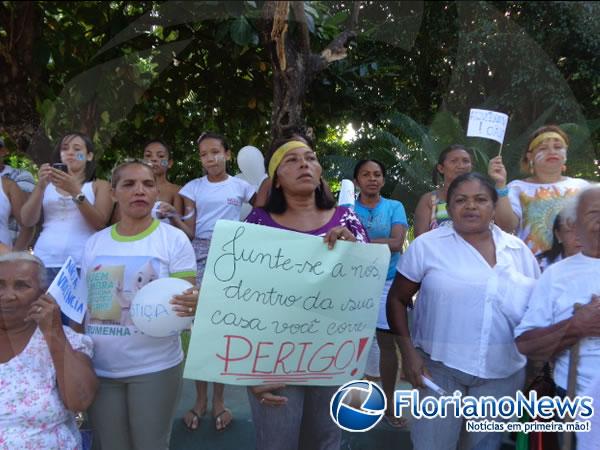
563, 153
164, 162
539, 156
79, 156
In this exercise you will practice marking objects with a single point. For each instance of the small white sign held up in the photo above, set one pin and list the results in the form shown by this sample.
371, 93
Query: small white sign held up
65, 289
487, 124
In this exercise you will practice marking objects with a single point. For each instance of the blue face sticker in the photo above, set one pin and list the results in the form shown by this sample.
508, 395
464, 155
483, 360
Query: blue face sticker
79, 156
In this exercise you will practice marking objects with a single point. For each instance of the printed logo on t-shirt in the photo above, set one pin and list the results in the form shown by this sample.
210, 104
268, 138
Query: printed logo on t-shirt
234, 202
112, 284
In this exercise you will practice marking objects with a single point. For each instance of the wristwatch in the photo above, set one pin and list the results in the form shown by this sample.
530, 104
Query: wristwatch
79, 198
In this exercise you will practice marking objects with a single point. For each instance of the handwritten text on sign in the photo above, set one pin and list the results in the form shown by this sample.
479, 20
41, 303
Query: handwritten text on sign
66, 290
487, 124
279, 307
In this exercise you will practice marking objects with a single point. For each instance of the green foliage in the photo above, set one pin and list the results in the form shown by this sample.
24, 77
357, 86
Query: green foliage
127, 71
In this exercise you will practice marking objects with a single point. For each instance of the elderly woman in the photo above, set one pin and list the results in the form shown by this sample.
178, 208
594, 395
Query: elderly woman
550, 325
536, 200
45, 369
473, 281
140, 375
292, 417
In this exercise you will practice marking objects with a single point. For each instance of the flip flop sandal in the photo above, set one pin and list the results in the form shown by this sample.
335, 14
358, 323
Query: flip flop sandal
218, 419
195, 418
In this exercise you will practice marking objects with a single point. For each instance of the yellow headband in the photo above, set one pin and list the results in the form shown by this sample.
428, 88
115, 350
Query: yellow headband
281, 152
542, 137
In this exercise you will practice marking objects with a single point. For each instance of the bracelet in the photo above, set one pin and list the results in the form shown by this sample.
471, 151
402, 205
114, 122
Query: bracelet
502, 192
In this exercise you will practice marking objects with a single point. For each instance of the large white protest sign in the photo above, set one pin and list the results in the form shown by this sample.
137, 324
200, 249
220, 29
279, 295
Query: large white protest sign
66, 290
277, 306
487, 124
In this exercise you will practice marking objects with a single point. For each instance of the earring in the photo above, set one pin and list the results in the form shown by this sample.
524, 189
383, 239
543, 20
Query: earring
531, 166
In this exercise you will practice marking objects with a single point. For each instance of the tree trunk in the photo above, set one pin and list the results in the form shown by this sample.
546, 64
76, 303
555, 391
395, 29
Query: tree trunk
294, 66
20, 77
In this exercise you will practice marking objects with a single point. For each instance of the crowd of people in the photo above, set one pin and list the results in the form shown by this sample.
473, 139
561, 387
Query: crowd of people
465, 304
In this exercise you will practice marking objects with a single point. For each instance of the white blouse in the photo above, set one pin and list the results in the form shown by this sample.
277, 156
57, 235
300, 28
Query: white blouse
32, 414
572, 280
466, 311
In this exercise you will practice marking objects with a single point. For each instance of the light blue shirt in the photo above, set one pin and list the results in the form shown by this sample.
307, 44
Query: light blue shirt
379, 221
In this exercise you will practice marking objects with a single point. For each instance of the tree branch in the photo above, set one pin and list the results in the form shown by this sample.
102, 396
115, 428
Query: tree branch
354, 16
300, 15
279, 31
338, 48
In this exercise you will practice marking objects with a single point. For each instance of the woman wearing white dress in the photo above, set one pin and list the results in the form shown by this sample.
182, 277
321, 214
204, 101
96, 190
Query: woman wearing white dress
69, 202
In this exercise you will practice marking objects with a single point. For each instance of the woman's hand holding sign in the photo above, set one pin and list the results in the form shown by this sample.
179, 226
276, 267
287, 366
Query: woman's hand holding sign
266, 396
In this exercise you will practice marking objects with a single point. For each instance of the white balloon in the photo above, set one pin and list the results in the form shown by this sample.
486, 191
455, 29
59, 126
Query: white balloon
252, 164
151, 311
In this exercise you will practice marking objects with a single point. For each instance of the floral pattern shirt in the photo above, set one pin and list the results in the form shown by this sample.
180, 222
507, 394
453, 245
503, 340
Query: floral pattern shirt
32, 415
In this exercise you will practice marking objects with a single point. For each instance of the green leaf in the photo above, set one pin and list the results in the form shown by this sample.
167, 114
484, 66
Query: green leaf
222, 31
105, 117
241, 31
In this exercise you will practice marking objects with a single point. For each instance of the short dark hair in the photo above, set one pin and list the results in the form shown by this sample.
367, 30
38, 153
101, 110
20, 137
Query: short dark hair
472, 176
158, 141
276, 203
90, 166
362, 162
435, 174
211, 135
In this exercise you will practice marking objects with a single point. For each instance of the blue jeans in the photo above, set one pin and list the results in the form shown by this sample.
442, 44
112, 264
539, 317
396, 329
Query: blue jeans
302, 423
446, 433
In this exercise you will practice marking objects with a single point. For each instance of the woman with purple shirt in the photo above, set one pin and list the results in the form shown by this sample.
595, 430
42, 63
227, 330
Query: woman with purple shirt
297, 417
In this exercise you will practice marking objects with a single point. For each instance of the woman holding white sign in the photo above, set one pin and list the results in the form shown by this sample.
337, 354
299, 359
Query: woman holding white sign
536, 200
292, 417
45, 368
431, 210
474, 282
140, 375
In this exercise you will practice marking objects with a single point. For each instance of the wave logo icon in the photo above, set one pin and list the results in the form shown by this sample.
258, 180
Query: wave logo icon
358, 406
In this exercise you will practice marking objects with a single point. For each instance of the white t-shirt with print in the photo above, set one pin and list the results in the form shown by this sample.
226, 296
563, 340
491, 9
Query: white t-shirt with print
536, 205
115, 267
216, 201
572, 280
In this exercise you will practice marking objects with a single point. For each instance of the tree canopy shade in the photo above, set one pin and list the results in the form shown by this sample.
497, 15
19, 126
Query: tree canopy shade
125, 72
